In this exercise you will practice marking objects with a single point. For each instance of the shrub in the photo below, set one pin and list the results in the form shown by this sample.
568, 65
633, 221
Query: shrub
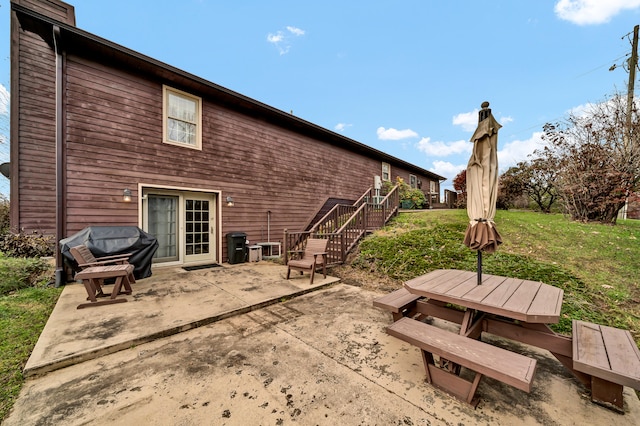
25, 245
387, 186
4, 215
16, 274
414, 196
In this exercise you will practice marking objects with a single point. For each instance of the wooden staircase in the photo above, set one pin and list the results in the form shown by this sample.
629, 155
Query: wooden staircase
345, 224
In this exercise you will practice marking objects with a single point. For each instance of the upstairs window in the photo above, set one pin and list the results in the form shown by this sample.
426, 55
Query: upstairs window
182, 118
386, 172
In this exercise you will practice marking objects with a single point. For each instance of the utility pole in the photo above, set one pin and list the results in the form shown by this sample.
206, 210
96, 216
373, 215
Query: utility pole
633, 63
627, 136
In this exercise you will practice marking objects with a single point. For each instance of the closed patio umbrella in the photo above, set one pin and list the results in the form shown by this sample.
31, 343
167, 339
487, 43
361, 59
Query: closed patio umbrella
482, 187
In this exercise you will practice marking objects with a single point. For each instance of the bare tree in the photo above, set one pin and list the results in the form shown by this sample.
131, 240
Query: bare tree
597, 158
536, 179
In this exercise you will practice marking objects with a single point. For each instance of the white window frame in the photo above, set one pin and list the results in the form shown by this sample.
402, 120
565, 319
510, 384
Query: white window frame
180, 191
413, 181
166, 90
386, 175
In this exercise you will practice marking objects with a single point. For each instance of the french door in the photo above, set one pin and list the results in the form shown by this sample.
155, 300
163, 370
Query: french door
162, 223
198, 244
183, 223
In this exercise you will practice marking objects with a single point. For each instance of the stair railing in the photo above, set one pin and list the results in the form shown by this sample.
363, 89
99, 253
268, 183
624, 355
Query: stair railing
345, 225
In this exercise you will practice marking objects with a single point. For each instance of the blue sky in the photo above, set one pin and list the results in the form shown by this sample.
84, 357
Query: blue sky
404, 77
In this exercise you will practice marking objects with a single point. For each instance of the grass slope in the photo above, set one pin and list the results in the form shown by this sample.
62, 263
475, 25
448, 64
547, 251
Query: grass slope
595, 265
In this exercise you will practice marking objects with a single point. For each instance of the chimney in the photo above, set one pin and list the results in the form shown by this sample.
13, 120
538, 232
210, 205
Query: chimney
55, 9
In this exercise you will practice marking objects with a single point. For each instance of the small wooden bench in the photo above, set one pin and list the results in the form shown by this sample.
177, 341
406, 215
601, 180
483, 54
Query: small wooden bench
612, 359
482, 358
91, 278
400, 303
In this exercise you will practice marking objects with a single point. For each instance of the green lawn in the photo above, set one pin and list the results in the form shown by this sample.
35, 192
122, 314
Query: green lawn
595, 265
23, 314
22, 318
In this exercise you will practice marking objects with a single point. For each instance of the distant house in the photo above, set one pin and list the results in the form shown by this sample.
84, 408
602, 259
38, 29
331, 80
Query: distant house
92, 121
633, 206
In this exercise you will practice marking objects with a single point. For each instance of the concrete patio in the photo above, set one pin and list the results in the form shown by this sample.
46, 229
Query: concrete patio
171, 301
241, 345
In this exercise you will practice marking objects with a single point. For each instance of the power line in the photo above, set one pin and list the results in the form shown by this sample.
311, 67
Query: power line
604, 65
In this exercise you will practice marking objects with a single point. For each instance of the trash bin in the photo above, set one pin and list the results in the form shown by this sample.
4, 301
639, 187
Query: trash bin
237, 247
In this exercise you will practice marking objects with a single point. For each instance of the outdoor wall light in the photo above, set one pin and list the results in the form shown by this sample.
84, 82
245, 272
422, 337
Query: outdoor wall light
126, 195
230, 202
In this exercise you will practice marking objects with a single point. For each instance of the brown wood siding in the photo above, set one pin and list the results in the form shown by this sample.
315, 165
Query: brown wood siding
35, 197
55, 9
114, 140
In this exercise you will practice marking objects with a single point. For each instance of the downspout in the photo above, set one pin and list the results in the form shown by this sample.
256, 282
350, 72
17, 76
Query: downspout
60, 166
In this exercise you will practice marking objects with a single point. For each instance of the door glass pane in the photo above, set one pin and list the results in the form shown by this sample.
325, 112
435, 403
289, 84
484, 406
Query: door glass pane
197, 227
163, 224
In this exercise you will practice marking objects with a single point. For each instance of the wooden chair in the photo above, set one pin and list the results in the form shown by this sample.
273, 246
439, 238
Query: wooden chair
313, 256
86, 259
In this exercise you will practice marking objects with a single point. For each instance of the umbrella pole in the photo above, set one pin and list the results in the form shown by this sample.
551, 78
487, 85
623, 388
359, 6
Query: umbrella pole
479, 267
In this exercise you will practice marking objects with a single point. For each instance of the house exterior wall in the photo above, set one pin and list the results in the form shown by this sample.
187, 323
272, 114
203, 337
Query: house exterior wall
111, 139
33, 124
114, 141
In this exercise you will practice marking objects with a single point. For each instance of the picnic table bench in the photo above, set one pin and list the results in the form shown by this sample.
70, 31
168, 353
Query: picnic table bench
400, 303
610, 357
482, 358
603, 358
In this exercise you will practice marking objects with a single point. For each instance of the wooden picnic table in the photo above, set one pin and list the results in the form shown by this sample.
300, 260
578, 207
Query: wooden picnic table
513, 298
513, 308
604, 359
509, 307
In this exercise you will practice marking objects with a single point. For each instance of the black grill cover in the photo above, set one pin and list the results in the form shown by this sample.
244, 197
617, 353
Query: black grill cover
112, 240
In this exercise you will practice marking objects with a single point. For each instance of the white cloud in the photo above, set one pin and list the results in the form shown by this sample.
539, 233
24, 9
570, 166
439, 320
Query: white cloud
514, 152
585, 12
275, 38
468, 120
447, 169
283, 41
581, 110
4, 100
295, 31
511, 154
443, 149
340, 127
392, 134
505, 120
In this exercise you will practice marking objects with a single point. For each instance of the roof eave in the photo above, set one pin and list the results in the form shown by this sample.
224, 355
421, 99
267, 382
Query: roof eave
81, 42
